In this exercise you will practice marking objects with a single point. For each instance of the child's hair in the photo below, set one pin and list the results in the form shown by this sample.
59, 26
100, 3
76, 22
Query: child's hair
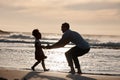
35, 32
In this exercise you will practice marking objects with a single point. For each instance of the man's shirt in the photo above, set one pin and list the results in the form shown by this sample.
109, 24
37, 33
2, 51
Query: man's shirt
74, 37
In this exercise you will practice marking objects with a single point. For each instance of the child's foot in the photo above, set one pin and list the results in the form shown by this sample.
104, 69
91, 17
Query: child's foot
45, 57
46, 69
33, 68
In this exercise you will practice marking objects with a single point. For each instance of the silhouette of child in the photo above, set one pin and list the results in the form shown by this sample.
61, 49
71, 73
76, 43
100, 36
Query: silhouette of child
39, 54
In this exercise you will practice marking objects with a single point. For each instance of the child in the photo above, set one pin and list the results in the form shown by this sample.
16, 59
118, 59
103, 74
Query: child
39, 54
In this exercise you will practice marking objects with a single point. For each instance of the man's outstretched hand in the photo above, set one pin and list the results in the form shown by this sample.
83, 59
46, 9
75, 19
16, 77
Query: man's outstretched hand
47, 47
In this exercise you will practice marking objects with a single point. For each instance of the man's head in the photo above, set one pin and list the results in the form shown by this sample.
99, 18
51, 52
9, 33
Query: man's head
65, 27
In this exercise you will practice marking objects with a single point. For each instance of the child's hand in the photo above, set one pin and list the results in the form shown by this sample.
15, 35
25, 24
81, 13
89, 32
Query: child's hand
48, 47
43, 47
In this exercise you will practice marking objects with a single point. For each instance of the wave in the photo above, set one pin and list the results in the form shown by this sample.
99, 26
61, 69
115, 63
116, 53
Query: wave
20, 36
14, 41
110, 45
25, 36
47, 39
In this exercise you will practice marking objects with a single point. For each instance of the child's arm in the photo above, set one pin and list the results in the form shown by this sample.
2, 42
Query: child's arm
45, 47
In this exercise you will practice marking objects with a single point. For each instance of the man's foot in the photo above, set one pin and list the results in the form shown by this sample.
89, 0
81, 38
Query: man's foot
46, 69
79, 72
33, 68
72, 71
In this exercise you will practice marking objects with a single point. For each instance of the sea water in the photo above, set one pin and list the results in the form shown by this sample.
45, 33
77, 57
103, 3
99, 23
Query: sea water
17, 51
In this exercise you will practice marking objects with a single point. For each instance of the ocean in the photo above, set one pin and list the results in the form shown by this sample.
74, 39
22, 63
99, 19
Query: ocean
17, 51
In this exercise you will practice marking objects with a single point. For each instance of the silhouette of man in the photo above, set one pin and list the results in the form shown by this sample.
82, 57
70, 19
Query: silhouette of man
81, 47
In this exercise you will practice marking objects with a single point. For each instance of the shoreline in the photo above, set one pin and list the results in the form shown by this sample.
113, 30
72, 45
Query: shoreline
40, 70
18, 74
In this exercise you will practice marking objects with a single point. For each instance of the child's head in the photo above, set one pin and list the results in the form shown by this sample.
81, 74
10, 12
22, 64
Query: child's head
36, 34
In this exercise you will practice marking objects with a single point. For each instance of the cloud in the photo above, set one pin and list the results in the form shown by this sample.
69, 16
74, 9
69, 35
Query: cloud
8, 5
94, 6
72, 5
28, 4
59, 10
11, 8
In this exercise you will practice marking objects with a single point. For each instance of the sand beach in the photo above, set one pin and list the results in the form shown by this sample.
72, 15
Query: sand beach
15, 74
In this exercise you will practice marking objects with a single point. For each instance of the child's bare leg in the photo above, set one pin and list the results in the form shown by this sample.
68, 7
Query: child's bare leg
33, 67
43, 65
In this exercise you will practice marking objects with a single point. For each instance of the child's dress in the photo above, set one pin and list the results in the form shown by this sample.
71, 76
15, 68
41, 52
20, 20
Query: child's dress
39, 54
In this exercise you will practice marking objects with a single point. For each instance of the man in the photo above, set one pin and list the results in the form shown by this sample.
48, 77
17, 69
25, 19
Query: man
81, 47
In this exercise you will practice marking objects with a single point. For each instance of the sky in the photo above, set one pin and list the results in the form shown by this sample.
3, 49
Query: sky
100, 17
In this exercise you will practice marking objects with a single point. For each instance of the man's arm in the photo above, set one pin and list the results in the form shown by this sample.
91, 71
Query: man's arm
61, 43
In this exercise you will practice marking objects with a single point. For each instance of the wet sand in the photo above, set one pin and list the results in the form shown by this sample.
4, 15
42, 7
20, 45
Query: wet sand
15, 74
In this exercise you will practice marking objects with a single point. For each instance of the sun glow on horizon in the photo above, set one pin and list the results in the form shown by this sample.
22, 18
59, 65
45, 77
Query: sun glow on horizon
85, 16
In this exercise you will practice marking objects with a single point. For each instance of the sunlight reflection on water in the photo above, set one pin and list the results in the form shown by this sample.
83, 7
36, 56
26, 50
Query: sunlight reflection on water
104, 61
56, 59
